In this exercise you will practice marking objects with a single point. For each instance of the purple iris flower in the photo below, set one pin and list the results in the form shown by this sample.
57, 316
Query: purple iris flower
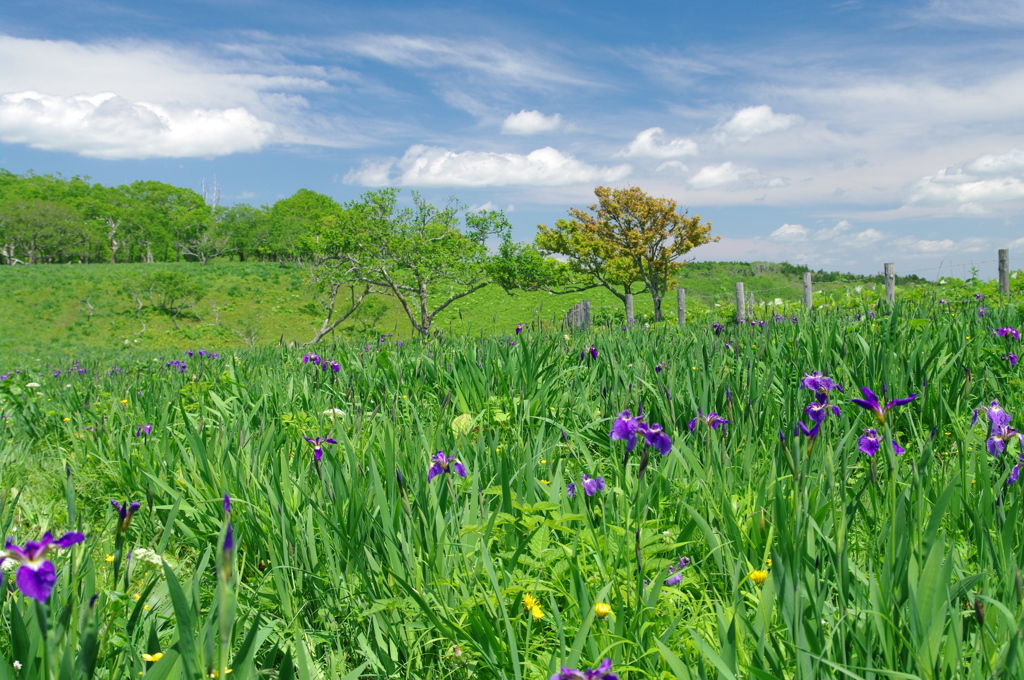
519, 329
602, 672
190, 353
655, 436
229, 539
570, 490
717, 328
712, 420
869, 443
979, 297
227, 504
801, 429
870, 402
37, 575
819, 409
318, 446
1012, 358
443, 464
1008, 332
675, 572
592, 350
143, 429
625, 428
982, 311
592, 485
1001, 432
1015, 472
659, 368
125, 513
817, 381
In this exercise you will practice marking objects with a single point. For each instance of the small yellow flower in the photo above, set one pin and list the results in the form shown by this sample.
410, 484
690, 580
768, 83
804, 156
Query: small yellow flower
769, 561
136, 597
602, 609
536, 613
124, 402
213, 673
530, 602
66, 419
544, 481
109, 558
153, 657
759, 576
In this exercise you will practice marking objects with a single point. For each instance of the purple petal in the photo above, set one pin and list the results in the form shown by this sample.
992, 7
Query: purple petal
459, 468
897, 448
995, 446
675, 579
73, 537
36, 583
570, 490
434, 471
900, 402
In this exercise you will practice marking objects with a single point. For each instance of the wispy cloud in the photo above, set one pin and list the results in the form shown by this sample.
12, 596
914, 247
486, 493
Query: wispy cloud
996, 13
431, 166
492, 58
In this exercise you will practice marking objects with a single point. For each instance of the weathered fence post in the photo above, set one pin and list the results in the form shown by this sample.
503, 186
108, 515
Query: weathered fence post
586, 313
890, 282
681, 305
629, 308
750, 303
741, 312
808, 292
1004, 272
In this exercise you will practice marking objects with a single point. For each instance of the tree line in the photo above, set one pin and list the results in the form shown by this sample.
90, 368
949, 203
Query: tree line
423, 255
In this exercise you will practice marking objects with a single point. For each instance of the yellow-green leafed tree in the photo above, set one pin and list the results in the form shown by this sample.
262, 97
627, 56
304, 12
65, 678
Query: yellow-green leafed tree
627, 238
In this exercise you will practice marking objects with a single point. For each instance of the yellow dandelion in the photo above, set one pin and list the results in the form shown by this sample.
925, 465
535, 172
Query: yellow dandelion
124, 402
536, 613
153, 657
66, 419
136, 597
109, 558
530, 602
602, 609
759, 576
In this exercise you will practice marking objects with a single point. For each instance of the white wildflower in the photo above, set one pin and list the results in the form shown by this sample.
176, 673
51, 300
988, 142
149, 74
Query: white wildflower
32, 384
334, 412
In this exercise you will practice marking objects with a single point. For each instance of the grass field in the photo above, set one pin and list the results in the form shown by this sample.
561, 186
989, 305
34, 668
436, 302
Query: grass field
371, 557
72, 307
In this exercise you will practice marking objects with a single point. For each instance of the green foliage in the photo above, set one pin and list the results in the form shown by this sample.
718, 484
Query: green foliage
342, 569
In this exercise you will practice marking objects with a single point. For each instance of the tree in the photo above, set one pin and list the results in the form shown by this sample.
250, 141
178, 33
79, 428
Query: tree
295, 220
421, 256
625, 238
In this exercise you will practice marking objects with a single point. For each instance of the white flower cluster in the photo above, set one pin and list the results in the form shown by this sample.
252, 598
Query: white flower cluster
147, 556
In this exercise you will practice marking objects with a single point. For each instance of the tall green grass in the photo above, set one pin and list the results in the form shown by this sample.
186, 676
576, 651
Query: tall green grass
893, 567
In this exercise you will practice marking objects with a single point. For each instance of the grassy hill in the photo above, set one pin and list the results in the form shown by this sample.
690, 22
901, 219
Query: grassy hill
74, 307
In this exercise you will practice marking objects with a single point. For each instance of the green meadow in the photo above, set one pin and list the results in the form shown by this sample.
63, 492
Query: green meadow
872, 545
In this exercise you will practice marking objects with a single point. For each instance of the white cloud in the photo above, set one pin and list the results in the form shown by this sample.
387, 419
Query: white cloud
111, 127
753, 121
713, 176
530, 123
789, 233
990, 178
914, 245
651, 143
431, 166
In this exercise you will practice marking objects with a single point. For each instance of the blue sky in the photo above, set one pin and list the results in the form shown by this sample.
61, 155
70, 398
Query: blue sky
835, 135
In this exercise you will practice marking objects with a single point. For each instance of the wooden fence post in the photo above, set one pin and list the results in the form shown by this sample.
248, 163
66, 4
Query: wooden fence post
808, 292
681, 306
741, 312
629, 308
586, 313
890, 282
1004, 272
